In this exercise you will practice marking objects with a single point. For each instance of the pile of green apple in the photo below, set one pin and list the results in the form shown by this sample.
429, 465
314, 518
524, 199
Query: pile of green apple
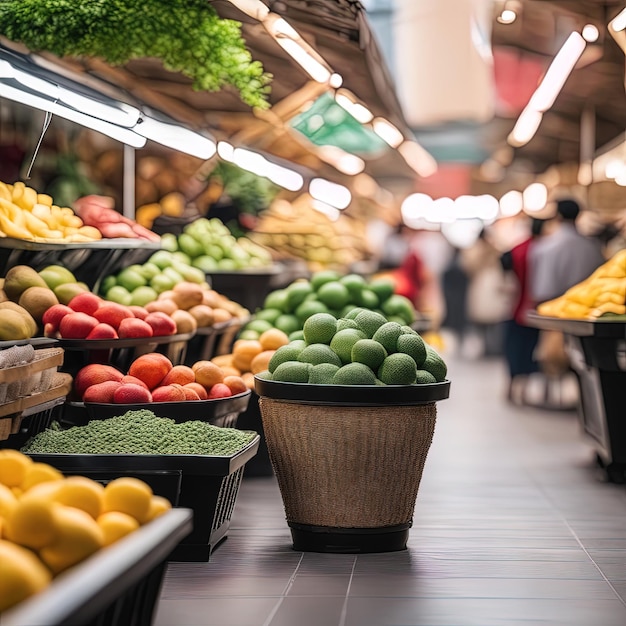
140, 284
211, 247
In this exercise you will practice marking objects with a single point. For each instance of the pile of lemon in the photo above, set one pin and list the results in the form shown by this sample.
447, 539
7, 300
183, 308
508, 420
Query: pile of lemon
362, 348
48, 522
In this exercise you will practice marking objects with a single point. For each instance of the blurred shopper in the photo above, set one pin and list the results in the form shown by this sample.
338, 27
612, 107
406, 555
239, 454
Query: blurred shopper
520, 340
558, 261
454, 284
490, 294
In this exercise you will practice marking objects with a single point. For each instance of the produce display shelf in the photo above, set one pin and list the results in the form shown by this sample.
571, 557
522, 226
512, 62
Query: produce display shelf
44, 359
60, 387
36, 342
597, 354
116, 344
119, 243
118, 586
208, 485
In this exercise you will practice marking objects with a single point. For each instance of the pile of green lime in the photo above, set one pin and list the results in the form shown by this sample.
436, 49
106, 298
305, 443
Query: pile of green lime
327, 292
361, 348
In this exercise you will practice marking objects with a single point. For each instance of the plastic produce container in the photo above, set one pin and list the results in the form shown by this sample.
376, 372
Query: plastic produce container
206, 484
349, 460
118, 586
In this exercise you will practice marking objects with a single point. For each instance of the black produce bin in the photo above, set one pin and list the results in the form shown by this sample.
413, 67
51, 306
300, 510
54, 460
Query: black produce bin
597, 352
208, 485
118, 586
250, 419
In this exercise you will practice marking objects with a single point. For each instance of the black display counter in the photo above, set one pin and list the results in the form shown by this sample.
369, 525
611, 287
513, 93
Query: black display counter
597, 353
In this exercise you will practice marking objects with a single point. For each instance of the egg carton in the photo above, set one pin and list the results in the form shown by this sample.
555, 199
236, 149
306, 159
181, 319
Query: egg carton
21, 364
16, 356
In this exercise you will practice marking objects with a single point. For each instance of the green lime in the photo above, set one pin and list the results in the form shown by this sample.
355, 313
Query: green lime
325, 276
283, 354
387, 335
258, 325
367, 299
297, 335
334, 295
309, 308
382, 287
368, 352
400, 306
130, 279
270, 315
369, 322
355, 283
352, 312
398, 369
265, 375
248, 333
322, 374
435, 364
317, 353
425, 378
354, 374
276, 300
297, 292
287, 323
319, 328
343, 341
407, 330
345, 322
292, 372
414, 346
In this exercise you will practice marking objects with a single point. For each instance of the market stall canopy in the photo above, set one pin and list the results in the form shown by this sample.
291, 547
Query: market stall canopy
337, 31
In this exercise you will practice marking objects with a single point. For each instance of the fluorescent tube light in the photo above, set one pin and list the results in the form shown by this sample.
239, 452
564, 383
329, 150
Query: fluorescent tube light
415, 206
252, 8
525, 127
417, 158
507, 16
387, 132
310, 65
226, 151
359, 112
329, 211
535, 197
345, 162
619, 21
280, 27
118, 133
558, 72
336, 195
124, 115
259, 165
590, 33
511, 203
176, 137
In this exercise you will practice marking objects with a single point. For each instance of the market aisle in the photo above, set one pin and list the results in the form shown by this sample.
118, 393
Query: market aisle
511, 526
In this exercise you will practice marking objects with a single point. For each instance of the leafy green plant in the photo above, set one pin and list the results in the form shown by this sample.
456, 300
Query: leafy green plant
187, 35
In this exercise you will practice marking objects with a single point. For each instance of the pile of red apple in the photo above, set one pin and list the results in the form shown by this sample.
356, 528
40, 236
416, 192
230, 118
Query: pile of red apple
153, 378
88, 316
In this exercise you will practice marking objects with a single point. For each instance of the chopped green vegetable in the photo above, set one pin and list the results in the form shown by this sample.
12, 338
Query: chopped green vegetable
140, 432
187, 35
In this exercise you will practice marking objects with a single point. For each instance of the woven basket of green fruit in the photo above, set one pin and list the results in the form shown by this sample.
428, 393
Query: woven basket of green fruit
349, 415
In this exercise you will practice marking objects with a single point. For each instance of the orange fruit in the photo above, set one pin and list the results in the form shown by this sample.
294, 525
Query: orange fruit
207, 373
236, 384
198, 388
150, 368
179, 374
248, 378
261, 361
230, 371
223, 359
244, 350
273, 339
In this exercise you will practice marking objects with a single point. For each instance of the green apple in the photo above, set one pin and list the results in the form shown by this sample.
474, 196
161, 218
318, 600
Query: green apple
149, 270
130, 279
161, 258
67, 291
162, 282
173, 274
55, 275
107, 282
169, 242
180, 256
143, 295
189, 273
189, 245
214, 250
119, 294
227, 265
205, 263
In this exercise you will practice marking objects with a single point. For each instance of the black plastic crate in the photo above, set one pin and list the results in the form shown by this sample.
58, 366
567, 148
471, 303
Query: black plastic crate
118, 586
209, 486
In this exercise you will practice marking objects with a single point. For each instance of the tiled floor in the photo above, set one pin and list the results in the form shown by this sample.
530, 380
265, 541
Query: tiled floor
512, 526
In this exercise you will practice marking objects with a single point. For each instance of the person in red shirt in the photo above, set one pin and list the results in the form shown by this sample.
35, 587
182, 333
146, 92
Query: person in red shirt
520, 340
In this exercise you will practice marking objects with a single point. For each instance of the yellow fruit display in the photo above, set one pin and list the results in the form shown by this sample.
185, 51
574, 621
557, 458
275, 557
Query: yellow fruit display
602, 293
49, 523
25, 214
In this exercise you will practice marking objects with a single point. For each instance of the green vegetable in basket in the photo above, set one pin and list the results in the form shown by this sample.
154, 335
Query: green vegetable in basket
140, 432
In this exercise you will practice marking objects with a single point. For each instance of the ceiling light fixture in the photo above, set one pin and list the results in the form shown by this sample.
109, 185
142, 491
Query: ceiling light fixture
387, 132
252, 8
535, 197
176, 137
359, 112
590, 33
417, 158
330, 193
508, 16
619, 21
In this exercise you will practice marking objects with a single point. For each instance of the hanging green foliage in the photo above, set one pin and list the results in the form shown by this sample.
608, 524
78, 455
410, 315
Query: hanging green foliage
187, 35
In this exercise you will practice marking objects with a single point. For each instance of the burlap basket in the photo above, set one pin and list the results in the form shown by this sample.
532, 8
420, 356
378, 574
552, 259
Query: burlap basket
348, 467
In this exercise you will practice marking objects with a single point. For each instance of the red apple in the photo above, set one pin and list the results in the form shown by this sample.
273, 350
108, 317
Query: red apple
85, 302
138, 311
101, 392
77, 325
93, 374
102, 331
131, 327
112, 313
161, 323
168, 393
54, 315
130, 393
134, 380
219, 390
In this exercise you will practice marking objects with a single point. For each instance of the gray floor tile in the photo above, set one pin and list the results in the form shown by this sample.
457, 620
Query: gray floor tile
308, 611
235, 611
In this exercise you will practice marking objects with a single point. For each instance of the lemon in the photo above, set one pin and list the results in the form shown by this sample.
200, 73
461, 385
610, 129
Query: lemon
319, 328
128, 495
78, 536
414, 346
435, 364
158, 506
424, 378
317, 353
7, 501
354, 374
398, 369
22, 574
37, 473
82, 493
116, 525
343, 341
333, 294
322, 374
292, 372
387, 335
283, 354
31, 523
13, 466
369, 322
369, 352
